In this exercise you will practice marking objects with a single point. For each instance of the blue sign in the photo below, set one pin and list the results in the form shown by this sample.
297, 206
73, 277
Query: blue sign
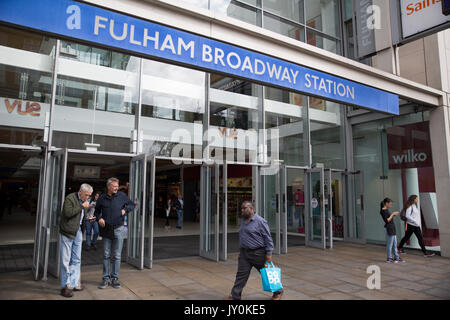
77, 20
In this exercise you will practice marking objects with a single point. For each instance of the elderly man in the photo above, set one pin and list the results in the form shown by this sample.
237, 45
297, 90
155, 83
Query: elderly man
110, 210
71, 239
256, 246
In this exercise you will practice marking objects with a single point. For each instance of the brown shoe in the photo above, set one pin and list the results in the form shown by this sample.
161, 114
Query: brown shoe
79, 288
277, 296
66, 292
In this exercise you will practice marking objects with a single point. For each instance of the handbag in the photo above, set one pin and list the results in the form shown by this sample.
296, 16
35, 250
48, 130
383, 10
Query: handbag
107, 231
271, 278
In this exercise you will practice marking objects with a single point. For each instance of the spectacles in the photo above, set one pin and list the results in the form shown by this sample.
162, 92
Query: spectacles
242, 208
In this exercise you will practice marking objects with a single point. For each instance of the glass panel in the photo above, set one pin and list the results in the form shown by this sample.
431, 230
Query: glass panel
96, 98
55, 198
26, 68
284, 27
317, 40
272, 204
295, 191
285, 112
326, 133
234, 119
315, 217
173, 104
291, 9
135, 217
337, 204
149, 216
236, 10
323, 16
209, 221
348, 5
375, 144
350, 40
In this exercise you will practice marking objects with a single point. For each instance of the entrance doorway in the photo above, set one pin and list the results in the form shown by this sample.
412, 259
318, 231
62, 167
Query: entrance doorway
19, 191
66, 171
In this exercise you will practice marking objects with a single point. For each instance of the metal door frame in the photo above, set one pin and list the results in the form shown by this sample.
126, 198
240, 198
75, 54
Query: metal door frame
148, 261
223, 254
327, 181
48, 207
206, 205
138, 263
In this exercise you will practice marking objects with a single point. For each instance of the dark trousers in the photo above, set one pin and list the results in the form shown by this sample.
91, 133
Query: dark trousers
248, 259
409, 231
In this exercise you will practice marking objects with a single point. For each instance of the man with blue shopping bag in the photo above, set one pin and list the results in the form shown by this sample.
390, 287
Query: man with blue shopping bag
256, 246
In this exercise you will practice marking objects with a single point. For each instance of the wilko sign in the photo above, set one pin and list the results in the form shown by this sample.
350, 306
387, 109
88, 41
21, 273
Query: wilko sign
23, 107
409, 146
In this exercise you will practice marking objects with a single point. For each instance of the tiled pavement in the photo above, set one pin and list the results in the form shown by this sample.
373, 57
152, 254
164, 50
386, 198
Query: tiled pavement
308, 274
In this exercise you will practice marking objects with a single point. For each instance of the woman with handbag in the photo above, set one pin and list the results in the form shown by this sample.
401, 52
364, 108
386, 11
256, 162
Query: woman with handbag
412, 215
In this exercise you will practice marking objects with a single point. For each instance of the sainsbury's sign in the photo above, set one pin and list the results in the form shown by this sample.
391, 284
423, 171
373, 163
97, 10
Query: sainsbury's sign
99, 26
421, 15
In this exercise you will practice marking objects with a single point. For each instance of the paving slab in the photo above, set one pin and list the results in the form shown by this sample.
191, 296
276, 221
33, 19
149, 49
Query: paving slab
307, 274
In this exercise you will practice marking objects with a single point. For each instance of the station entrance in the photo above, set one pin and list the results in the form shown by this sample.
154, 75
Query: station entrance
303, 206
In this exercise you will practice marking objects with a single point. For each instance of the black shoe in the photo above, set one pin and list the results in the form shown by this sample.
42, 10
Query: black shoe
94, 246
428, 255
66, 292
87, 248
104, 284
115, 283
400, 250
277, 296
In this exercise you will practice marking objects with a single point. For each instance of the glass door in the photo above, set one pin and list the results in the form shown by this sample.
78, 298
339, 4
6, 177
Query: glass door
55, 190
354, 223
39, 235
273, 197
136, 218
315, 235
328, 203
294, 207
209, 211
150, 217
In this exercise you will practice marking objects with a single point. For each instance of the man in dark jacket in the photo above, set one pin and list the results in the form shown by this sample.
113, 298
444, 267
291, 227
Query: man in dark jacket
110, 210
71, 238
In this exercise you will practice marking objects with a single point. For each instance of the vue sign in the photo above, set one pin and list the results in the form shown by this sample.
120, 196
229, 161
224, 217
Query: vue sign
22, 108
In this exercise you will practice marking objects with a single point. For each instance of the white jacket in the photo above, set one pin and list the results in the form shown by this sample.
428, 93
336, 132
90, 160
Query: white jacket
413, 216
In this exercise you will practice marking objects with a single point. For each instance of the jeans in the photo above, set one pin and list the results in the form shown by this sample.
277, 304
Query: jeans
391, 246
180, 217
70, 260
112, 254
89, 227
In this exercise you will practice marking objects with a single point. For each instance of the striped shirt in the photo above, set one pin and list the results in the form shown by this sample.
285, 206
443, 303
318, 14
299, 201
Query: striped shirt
256, 234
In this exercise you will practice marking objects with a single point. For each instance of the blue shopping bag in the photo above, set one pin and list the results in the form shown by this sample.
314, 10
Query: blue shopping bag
271, 278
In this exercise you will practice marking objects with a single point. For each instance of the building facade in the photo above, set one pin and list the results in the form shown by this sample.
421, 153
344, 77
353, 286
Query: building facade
272, 101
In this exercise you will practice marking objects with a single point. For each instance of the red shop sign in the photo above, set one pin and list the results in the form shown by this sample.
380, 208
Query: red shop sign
409, 146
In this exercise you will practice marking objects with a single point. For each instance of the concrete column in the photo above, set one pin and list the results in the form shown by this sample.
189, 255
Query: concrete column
437, 57
440, 142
